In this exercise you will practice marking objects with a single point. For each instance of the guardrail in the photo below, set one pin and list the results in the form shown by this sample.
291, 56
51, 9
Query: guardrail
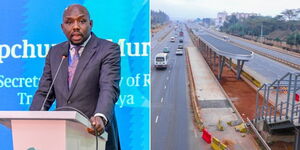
284, 92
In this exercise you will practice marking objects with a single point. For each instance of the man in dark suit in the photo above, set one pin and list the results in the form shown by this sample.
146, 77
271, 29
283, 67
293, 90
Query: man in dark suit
89, 77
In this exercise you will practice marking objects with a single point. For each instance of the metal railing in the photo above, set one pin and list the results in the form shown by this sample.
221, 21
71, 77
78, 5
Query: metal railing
277, 101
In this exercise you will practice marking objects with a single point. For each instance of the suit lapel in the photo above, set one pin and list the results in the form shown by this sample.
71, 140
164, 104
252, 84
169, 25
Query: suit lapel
88, 52
64, 70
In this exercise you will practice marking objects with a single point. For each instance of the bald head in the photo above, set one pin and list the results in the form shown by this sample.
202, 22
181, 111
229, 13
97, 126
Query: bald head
78, 8
76, 24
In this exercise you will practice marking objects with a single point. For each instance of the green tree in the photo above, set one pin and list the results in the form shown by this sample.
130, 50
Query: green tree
290, 14
279, 27
293, 39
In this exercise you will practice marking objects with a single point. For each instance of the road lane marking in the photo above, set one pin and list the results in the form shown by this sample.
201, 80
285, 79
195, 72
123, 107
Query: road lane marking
156, 119
169, 71
195, 133
162, 99
167, 78
165, 86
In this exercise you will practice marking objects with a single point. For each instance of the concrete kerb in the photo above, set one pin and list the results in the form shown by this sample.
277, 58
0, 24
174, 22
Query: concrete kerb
162, 38
193, 96
166, 34
281, 50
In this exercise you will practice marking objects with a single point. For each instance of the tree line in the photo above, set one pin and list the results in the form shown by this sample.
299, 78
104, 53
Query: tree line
159, 17
283, 27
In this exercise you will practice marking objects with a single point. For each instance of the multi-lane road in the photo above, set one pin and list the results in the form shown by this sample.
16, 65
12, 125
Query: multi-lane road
171, 117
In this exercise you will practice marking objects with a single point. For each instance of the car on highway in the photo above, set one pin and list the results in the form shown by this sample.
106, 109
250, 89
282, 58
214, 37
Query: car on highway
172, 39
179, 51
180, 46
166, 50
180, 40
161, 61
226, 38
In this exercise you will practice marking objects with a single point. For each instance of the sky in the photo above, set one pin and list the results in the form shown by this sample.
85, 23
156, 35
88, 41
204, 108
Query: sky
191, 9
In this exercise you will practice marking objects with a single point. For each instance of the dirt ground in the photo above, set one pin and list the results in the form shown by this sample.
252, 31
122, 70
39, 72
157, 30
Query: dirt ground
243, 97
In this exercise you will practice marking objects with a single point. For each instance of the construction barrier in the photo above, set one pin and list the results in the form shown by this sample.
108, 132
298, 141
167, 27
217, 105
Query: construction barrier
217, 145
251, 79
241, 128
206, 136
297, 97
235, 122
220, 125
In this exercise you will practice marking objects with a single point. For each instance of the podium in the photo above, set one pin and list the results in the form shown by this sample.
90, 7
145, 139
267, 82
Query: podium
50, 130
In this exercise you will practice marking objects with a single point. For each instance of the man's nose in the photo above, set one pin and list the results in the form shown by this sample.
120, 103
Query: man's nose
76, 25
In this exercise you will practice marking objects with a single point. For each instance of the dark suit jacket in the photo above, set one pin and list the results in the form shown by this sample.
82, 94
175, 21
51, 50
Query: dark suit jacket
95, 86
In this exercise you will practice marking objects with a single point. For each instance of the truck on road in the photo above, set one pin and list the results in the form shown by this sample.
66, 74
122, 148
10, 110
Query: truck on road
161, 61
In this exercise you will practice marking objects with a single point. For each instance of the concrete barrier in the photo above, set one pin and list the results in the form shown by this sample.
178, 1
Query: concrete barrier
217, 145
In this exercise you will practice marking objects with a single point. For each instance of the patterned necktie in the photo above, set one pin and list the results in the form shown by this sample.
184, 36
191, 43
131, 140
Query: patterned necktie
73, 63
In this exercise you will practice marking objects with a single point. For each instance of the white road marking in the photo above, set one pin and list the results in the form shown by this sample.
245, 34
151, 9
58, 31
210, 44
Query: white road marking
195, 133
165, 86
167, 78
156, 119
162, 99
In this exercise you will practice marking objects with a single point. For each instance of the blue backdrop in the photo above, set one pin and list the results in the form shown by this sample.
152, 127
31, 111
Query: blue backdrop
29, 27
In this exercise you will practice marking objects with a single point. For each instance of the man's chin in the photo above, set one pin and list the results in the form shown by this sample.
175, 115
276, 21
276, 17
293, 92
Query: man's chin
77, 42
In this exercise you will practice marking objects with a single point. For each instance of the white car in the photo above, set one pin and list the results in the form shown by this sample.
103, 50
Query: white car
180, 46
226, 38
179, 51
172, 39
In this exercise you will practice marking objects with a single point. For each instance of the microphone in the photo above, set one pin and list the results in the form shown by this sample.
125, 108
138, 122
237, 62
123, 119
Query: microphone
64, 55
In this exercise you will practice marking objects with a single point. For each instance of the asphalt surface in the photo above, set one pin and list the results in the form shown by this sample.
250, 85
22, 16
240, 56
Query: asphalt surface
268, 70
171, 118
287, 57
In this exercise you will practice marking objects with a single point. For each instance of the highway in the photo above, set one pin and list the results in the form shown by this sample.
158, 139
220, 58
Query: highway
171, 118
262, 67
287, 57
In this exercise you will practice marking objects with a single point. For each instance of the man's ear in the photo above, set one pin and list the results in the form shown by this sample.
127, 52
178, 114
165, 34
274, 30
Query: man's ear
91, 23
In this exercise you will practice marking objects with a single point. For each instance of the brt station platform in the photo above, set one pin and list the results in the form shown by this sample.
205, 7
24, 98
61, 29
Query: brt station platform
215, 107
276, 107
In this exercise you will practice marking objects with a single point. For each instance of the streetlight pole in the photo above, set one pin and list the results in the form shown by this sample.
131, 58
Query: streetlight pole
261, 32
295, 42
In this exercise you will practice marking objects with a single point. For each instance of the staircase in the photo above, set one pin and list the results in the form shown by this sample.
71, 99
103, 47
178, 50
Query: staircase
278, 106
